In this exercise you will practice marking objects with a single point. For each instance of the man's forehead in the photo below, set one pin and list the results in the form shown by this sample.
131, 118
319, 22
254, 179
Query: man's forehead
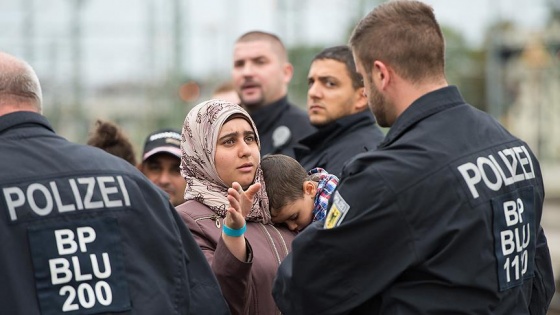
327, 68
253, 49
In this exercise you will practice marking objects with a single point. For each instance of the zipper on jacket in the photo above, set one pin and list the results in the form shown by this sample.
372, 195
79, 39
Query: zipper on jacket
283, 241
276, 252
213, 217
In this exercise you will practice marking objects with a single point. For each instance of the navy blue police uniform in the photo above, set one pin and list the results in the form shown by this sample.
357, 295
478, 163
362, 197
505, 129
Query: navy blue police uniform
84, 232
336, 143
443, 218
281, 125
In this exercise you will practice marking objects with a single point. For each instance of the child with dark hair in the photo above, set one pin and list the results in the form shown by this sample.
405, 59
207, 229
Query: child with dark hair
296, 197
109, 137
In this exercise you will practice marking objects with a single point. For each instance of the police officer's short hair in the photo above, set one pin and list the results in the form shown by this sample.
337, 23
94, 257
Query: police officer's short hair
19, 82
342, 54
283, 177
276, 42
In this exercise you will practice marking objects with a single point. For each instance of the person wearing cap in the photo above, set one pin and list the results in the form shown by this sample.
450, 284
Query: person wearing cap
82, 230
161, 160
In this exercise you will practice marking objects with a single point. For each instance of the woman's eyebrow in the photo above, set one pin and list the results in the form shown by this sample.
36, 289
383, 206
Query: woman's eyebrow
227, 135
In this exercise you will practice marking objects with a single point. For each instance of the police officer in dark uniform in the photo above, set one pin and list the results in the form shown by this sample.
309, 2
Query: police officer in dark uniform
261, 74
337, 106
83, 231
444, 217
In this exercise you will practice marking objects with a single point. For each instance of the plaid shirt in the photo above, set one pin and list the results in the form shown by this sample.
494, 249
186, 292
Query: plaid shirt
326, 186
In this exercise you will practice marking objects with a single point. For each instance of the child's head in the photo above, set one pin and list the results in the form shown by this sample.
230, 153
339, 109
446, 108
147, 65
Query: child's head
291, 192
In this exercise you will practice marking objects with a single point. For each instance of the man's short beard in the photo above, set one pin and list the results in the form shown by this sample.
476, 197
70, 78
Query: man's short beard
250, 107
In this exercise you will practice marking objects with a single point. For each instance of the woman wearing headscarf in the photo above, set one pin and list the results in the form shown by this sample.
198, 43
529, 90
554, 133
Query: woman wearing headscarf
220, 150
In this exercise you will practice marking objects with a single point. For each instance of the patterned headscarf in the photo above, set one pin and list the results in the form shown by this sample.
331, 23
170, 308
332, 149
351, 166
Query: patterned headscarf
198, 148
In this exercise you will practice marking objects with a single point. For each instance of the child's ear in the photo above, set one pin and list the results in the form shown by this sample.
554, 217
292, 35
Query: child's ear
310, 188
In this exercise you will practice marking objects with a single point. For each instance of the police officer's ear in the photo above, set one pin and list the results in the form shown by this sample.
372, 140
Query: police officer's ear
288, 71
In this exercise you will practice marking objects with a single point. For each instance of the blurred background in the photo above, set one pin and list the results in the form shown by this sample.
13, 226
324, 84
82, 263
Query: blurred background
144, 63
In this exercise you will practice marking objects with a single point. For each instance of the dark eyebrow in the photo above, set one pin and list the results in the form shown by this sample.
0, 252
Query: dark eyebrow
228, 135
328, 77
235, 134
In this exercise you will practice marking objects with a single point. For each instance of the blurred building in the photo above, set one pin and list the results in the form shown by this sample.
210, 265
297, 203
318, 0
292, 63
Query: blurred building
523, 91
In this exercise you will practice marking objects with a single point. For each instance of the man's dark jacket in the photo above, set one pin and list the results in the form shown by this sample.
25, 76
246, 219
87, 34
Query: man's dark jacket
84, 232
444, 217
281, 125
334, 144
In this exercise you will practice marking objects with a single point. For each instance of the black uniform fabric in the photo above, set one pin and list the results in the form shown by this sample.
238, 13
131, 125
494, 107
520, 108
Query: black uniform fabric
443, 218
273, 116
84, 232
334, 144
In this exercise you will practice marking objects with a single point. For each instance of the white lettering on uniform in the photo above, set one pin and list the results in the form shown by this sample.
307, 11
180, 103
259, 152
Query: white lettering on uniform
62, 273
481, 161
473, 174
13, 203
124, 191
43, 199
61, 207
106, 191
467, 170
88, 204
67, 243
76, 193
512, 166
60, 266
48, 199
507, 180
525, 161
514, 243
95, 266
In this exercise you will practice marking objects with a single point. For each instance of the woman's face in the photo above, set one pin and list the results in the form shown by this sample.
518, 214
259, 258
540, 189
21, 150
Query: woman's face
237, 153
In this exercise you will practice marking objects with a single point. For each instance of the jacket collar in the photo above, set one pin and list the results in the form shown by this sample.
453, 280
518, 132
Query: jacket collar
265, 116
425, 106
18, 119
338, 127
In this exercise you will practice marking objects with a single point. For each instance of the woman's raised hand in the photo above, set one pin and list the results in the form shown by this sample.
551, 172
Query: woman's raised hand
240, 203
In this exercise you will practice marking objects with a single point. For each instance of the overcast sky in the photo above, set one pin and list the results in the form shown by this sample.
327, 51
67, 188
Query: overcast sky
129, 39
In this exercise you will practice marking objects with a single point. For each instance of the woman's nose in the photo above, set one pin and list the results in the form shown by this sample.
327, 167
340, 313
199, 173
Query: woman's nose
244, 148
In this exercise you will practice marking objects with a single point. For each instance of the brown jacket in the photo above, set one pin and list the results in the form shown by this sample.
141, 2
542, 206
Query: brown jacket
247, 286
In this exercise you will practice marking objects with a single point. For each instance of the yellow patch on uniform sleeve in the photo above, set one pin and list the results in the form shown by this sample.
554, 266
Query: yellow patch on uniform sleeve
332, 217
337, 212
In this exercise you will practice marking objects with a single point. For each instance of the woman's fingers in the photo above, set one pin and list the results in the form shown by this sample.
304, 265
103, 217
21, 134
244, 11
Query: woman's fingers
234, 203
234, 219
252, 190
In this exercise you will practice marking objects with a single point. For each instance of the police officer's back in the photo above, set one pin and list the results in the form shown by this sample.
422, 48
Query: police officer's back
444, 217
84, 232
